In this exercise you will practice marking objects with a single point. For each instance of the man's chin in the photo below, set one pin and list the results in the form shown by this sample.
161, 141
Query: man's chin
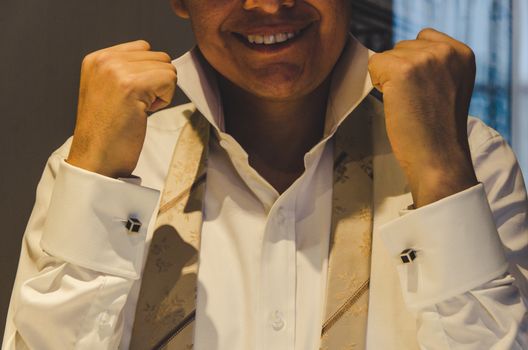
273, 87
279, 89
278, 94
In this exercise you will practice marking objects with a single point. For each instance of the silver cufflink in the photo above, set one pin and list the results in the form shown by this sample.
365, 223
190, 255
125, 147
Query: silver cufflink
408, 255
133, 225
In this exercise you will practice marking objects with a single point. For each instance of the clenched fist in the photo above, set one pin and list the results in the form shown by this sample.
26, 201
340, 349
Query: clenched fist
118, 86
427, 85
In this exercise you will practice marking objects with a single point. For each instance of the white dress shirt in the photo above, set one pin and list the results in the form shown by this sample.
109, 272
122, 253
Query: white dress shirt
263, 257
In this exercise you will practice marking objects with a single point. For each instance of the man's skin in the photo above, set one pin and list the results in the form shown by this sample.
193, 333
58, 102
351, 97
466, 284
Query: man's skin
275, 98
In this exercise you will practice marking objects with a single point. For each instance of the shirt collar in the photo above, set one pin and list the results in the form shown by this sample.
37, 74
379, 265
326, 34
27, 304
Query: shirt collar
349, 86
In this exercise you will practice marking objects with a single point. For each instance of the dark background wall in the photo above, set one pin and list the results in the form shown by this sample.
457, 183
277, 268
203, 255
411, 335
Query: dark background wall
42, 44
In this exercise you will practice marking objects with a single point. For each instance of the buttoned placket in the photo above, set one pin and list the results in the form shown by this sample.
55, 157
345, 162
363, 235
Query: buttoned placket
277, 301
275, 327
276, 305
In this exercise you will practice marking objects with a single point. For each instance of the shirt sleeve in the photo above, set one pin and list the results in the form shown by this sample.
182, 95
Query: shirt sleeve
467, 282
78, 260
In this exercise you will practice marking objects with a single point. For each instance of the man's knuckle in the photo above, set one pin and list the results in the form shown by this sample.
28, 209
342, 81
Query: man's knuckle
425, 32
127, 83
172, 75
407, 69
89, 59
110, 69
427, 58
144, 43
165, 57
102, 58
447, 50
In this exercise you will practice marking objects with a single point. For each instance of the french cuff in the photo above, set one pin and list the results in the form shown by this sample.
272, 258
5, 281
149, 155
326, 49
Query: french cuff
456, 244
88, 217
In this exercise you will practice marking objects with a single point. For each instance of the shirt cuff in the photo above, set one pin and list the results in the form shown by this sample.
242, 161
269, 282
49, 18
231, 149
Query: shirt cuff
86, 220
457, 247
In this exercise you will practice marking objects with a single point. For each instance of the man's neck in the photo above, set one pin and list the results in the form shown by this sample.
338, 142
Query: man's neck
276, 135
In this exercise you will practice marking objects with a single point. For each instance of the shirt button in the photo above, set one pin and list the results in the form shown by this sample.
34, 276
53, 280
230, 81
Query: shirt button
106, 323
277, 322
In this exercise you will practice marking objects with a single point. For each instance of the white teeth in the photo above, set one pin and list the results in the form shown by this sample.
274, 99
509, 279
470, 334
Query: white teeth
271, 39
282, 37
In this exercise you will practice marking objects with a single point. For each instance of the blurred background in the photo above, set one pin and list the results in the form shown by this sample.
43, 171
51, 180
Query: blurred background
43, 43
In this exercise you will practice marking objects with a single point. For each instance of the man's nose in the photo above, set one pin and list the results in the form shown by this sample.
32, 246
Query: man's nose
269, 6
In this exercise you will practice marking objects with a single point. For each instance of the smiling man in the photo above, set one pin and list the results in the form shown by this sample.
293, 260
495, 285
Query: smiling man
285, 207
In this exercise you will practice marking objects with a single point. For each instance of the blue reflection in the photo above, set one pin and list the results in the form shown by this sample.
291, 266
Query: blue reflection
484, 25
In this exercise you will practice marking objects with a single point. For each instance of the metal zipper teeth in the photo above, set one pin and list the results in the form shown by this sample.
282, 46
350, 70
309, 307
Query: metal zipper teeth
345, 307
183, 324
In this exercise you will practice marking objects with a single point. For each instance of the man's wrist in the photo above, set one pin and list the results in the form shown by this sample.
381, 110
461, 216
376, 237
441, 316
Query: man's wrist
431, 185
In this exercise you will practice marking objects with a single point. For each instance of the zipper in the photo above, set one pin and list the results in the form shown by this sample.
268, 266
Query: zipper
345, 307
177, 330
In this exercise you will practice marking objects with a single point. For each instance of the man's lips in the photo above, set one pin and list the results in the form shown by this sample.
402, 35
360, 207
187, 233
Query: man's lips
271, 38
272, 28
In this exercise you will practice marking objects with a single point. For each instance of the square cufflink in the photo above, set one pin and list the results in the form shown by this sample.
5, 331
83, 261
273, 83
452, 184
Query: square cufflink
133, 225
408, 255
